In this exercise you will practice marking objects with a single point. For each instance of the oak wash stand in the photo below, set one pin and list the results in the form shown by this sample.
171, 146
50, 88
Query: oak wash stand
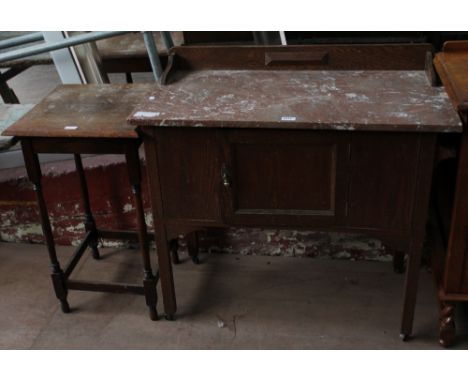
452, 273
314, 137
87, 119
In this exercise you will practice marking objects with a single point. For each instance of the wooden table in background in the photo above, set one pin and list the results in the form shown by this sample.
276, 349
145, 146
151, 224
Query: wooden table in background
314, 137
452, 275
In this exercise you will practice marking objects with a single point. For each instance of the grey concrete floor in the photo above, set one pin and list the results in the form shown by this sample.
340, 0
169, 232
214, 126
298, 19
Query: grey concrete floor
227, 302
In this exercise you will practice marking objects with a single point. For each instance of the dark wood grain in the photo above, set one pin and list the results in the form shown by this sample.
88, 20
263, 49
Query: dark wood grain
379, 202
452, 271
341, 57
97, 111
451, 66
374, 183
274, 177
160, 229
184, 194
420, 203
455, 272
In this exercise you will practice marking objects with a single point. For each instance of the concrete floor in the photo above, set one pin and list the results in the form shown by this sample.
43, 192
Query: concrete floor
227, 302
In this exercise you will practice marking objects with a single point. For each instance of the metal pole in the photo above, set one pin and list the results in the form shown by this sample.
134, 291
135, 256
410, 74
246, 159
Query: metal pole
48, 47
257, 38
20, 40
65, 61
283, 38
167, 38
266, 38
153, 55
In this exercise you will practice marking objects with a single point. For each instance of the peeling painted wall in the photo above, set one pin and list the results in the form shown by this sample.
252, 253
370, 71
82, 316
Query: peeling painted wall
113, 207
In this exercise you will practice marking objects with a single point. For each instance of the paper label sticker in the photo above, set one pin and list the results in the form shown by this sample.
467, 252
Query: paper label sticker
288, 118
146, 114
70, 127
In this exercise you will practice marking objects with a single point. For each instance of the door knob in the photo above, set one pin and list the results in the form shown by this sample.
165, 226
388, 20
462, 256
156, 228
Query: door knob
225, 177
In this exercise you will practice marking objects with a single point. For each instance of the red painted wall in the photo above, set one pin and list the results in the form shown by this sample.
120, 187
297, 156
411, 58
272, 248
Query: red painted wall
112, 205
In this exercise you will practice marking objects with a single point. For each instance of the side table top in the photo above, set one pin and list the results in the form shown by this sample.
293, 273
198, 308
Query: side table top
83, 111
452, 66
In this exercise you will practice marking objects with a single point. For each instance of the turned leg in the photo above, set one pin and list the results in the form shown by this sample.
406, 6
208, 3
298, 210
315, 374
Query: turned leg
447, 324
192, 246
174, 248
34, 173
398, 261
90, 224
149, 281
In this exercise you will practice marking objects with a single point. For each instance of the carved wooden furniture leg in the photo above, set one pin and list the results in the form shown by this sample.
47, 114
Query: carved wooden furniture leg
174, 248
34, 173
447, 324
149, 281
398, 261
90, 224
192, 246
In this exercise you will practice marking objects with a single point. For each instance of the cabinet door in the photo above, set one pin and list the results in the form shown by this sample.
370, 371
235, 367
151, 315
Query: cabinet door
383, 175
284, 178
189, 172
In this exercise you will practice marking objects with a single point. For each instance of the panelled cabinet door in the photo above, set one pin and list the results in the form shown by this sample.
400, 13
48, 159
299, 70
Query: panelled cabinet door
383, 176
285, 178
189, 173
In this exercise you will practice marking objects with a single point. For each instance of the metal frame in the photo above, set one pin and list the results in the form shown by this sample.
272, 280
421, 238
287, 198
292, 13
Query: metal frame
57, 40
153, 55
20, 40
51, 46
60, 46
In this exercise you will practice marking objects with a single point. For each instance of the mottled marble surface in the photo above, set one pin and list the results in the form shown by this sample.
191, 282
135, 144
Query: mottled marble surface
336, 100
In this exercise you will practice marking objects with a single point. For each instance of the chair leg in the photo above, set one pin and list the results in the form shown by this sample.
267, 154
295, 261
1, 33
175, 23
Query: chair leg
166, 277
33, 169
90, 224
192, 246
399, 262
419, 219
174, 248
149, 281
165, 271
